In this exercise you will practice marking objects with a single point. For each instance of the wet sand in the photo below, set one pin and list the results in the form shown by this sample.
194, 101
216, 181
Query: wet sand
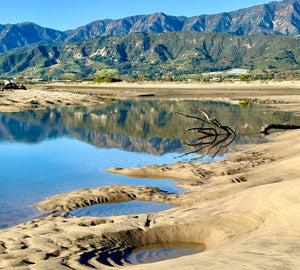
244, 209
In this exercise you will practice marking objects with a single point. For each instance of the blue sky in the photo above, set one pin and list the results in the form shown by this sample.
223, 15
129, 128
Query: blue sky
70, 14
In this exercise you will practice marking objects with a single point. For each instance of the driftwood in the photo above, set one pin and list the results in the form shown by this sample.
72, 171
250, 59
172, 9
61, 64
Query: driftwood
220, 136
265, 129
12, 86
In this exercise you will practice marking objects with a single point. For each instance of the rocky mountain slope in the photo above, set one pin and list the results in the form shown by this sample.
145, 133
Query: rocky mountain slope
275, 18
23, 34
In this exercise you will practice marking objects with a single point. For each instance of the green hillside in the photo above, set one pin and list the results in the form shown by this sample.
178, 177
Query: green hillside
142, 55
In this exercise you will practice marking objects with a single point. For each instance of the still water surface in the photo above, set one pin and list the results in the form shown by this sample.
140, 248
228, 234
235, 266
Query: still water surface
46, 152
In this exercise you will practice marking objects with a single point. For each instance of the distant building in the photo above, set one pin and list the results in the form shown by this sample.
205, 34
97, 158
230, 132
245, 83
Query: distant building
235, 71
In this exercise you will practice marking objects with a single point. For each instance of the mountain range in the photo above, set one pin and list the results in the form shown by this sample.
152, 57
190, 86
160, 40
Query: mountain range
260, 38
153, 56
274, 18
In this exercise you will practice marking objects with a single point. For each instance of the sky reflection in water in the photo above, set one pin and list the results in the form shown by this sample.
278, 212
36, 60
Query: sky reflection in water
30, 173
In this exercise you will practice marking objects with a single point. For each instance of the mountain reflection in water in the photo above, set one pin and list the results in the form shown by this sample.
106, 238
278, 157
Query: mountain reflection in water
137, 126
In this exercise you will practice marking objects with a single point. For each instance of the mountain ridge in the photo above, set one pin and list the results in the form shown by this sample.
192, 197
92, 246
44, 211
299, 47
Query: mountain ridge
274, 18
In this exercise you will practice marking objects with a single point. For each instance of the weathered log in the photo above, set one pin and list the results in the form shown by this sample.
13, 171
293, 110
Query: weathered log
265, 129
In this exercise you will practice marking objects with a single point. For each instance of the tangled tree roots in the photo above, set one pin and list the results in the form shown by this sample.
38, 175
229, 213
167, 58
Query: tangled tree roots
220, 136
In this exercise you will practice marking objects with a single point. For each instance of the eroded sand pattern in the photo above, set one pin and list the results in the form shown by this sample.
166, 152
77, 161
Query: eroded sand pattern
244, 209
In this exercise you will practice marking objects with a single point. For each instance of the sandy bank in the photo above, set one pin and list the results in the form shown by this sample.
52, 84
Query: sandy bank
259, 85
32, 99
257, 91
284, 94
244, 209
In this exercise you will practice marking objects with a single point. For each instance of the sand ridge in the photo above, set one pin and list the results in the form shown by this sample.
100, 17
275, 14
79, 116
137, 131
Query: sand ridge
102, 195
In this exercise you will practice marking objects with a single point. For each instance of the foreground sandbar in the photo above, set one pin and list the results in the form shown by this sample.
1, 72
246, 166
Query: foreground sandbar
251, 223
244, 209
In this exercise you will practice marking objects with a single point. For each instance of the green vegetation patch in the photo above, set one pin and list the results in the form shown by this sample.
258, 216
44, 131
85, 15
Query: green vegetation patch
107, 79
110, 72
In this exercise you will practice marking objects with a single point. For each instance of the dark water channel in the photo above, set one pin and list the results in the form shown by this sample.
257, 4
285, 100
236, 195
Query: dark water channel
46, 152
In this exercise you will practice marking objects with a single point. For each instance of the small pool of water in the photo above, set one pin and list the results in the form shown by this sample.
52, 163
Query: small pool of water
118, 209
161, 252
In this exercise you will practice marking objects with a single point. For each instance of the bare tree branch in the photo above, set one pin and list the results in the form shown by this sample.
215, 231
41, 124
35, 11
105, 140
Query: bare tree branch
212, 131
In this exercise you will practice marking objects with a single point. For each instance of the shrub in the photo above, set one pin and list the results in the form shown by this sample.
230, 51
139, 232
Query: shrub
244, 78
106, 79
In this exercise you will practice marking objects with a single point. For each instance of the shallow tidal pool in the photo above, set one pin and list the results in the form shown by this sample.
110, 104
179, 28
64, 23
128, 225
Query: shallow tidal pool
163, 251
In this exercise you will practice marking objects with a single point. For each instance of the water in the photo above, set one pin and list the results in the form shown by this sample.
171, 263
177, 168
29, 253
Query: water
46, 152
125, 208
31, 172
161, 252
